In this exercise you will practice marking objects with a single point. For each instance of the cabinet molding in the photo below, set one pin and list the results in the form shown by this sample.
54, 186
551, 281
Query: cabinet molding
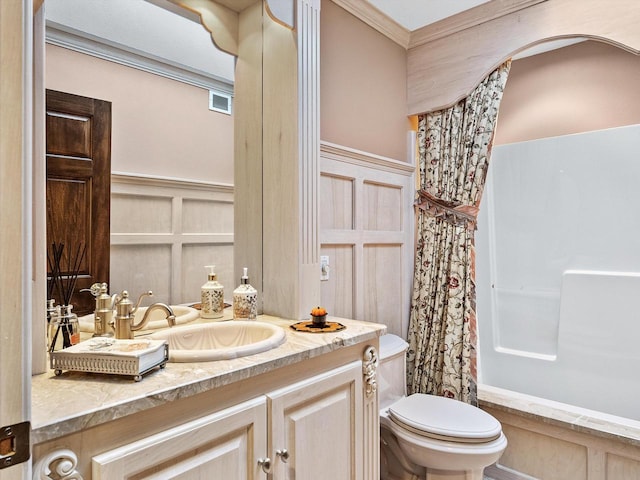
62, 463
370, 371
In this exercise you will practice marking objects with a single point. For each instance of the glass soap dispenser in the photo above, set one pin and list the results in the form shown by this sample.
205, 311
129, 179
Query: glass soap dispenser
245, 300
212, 296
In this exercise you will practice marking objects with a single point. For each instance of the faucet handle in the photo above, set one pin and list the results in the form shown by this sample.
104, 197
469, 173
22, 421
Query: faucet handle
95, 289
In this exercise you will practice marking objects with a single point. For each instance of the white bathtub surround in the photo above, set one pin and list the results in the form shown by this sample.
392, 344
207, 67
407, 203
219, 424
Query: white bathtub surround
559, 269
454, 149
554, 441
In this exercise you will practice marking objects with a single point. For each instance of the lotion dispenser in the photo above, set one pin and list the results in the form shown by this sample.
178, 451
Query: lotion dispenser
245, 300
212, 294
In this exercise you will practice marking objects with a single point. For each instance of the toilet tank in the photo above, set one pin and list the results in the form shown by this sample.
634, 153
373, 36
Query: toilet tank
392, 370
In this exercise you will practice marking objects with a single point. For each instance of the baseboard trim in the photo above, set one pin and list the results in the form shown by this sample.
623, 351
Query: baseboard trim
499, 472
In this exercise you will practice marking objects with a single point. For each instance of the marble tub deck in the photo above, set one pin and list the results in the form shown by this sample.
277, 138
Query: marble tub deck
550, 412
75, 401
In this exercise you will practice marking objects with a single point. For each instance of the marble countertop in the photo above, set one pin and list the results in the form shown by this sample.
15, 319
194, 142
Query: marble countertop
75, 401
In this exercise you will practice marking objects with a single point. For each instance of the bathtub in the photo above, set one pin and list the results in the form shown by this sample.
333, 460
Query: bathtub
557, 278
558, 270
594, 361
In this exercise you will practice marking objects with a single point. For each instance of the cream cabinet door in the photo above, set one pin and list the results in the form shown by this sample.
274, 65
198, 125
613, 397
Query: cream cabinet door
223, 445
316, 427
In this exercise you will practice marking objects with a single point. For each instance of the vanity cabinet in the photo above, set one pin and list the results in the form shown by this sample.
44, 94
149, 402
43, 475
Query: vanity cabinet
308, 430
220, 445
306, 411
316, 432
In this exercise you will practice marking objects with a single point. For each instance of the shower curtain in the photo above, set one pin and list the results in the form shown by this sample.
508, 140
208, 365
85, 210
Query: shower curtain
454, 147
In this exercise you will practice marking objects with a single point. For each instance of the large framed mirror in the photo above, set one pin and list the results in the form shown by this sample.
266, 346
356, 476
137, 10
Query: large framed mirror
171, 140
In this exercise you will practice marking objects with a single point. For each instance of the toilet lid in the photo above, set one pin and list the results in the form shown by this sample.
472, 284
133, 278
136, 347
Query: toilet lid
444, 418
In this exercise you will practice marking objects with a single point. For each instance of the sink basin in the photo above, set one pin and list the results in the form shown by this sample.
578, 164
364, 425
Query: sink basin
220, 340
157, 318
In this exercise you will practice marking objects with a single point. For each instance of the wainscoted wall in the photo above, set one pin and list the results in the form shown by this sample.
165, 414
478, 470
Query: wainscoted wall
164, 231
366, 229
555, 441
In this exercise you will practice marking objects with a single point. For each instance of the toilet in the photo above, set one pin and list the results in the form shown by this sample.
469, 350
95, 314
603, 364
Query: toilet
426, 437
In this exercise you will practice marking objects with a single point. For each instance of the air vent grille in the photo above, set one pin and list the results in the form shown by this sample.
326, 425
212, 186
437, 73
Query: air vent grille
220, 102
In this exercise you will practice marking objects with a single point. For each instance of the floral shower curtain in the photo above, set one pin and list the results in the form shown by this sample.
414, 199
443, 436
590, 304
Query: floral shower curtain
454, 149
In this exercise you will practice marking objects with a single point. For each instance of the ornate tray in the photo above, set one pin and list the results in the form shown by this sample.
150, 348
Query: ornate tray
108, 355
308, 326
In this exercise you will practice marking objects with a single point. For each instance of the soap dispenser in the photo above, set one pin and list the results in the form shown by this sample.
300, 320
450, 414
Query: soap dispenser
212, 296
245, 300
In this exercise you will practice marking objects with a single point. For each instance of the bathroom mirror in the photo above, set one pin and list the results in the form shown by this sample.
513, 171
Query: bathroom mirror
172, 138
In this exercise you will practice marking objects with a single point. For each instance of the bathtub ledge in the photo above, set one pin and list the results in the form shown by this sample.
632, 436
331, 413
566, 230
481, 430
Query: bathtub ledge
560, 414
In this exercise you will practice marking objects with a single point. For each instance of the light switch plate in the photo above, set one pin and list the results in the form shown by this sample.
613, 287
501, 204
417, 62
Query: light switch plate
324, 268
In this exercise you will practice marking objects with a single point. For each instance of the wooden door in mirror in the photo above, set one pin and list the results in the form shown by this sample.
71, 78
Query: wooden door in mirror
78, 131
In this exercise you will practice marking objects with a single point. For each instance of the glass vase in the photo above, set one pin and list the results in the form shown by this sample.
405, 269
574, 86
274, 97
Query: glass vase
65, 329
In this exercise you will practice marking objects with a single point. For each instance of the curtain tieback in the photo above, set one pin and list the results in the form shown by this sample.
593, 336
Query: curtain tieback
454, 213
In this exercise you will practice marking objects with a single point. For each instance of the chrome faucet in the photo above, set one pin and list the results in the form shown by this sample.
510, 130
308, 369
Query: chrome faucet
125, 313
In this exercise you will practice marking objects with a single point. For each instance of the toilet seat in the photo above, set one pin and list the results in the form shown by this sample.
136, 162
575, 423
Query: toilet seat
444, 419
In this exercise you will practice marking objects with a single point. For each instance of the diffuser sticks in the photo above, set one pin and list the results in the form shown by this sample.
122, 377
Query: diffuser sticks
63, 281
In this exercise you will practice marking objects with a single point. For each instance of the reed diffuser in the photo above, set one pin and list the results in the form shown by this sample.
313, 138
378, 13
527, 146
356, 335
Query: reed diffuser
64, 327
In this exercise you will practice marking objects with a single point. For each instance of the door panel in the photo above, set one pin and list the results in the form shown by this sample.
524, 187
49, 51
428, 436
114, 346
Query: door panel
316, 422
223, 445
78, 190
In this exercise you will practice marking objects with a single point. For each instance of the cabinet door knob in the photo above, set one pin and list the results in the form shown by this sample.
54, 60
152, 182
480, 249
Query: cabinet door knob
265, 463
283, 454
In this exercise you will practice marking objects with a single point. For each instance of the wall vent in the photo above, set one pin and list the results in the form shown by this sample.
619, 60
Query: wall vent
220, 102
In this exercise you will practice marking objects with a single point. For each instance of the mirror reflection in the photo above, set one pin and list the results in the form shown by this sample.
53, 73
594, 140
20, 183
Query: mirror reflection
171, 147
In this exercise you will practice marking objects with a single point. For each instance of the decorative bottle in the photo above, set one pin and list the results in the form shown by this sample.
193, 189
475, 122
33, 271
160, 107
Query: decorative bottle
65, 328
212, 294
245, 300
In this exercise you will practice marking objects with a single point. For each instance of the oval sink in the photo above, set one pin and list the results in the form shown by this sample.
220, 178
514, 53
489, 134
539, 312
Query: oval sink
220, 341
157, 318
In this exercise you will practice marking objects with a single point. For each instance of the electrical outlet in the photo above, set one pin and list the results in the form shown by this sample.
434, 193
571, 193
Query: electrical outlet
324, 268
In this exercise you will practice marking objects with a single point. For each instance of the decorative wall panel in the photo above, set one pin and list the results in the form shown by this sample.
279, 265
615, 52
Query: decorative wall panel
622, 468
383, 206
206, 216
195, 257
367, 231
382, 286
336, 211
135, 213
337, 295
549, 458
164, 231
140, 268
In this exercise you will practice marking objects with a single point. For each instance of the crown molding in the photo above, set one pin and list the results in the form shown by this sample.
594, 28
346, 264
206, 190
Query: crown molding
55, 35
377, 20
467, 19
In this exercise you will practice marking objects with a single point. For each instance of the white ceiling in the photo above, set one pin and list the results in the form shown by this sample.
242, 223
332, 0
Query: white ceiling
142, 27
413, 14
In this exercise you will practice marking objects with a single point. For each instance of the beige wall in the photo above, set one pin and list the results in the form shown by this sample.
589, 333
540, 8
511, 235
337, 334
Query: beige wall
160, 126
583, 87
363, 86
